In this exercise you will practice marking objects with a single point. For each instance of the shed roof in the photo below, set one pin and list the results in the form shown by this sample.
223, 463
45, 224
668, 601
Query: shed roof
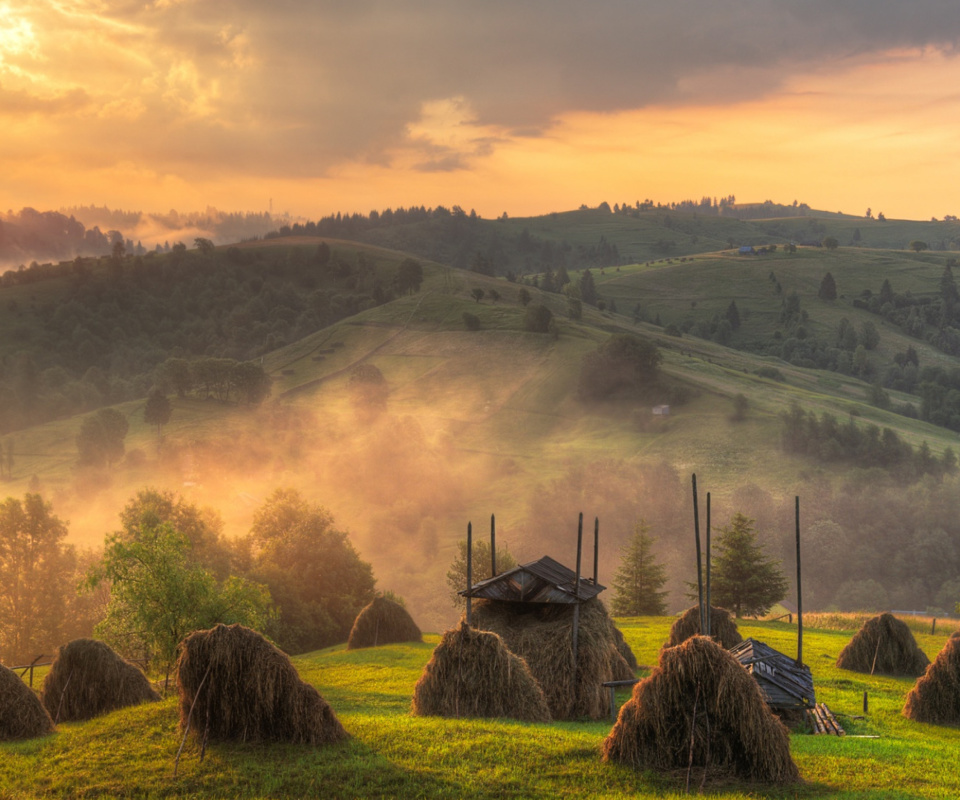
541, 581
782, 682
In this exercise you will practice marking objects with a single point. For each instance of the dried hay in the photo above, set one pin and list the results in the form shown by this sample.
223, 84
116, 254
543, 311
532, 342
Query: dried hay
624, 650
723, 628
473, 674
700, 692
88, 678
383, 622
241, 688
935, 698
542, 635
884, 645
22, 715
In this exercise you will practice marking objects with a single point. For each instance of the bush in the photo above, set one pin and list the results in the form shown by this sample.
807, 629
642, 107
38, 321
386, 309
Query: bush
537, 319
471, 321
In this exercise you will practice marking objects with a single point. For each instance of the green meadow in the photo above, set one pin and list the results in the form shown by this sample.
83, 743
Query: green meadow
131, 753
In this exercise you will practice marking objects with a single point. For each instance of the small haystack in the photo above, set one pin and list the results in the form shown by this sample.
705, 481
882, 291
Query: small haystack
241, 688
624, 650
22, 715
886, 646
87, 679
700, 692
723, 628
542, 634
473, 674
383, 622
935, 698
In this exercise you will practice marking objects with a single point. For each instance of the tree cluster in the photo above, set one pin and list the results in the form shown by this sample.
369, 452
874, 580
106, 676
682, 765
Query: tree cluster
623, 366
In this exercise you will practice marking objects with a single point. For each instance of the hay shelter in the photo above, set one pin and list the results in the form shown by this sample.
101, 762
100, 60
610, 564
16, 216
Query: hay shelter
88, 678
242, 688
884, 645
383, 622
935, 698
22, 715
699, 693
541, 634
472, 673
723, 628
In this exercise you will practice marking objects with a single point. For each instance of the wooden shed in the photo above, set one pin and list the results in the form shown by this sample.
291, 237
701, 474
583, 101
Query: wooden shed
543, 581
784, 684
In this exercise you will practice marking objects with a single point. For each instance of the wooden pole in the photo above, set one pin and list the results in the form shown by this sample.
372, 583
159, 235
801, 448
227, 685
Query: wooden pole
469, 570
696, 532
493, 546
576, 594
708, 612
799, 592
596, 548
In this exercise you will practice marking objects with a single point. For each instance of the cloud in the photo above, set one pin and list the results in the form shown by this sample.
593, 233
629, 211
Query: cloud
293, 88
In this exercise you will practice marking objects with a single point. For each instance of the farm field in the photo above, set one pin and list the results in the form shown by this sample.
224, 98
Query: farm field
131, 753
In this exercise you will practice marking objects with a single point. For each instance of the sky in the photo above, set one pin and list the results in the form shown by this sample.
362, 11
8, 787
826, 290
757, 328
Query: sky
316, 106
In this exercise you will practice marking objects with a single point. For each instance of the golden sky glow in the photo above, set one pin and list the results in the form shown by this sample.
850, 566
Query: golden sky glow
232, 103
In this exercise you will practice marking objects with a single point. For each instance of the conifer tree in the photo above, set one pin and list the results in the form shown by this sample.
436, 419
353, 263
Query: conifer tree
828, 288
639, 580
743, 579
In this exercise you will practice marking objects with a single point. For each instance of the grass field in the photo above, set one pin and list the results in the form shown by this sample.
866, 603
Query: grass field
131, 753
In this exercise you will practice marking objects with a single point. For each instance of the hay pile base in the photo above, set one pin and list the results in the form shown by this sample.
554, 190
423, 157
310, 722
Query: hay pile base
250, 691
383, 622
22, 715
624, 650
884, 645
473, 674
699, 691
935, 698
87, 679
542, 635
723, 628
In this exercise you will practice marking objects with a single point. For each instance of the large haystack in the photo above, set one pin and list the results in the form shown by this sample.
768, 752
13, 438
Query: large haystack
723, 628
700, 692
624, 650
22, 715
241, 688
87, 679
541, 634
884, 645
473, 674
383, 622
935, 698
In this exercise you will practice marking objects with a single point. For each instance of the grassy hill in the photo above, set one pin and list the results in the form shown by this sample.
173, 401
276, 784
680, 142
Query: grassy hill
391, 754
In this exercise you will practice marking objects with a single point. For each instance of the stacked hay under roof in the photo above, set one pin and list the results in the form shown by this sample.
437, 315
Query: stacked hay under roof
624, 650
473, 674
22, 715
87, 679
700, 693
383, 622
935, 698
723, 628
241, 688
886, 646
541, 634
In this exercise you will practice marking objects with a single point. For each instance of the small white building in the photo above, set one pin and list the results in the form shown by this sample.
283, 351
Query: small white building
661, 411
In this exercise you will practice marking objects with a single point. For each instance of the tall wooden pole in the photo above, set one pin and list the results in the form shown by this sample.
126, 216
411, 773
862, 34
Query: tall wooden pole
596, 548
469, 570
696, 532
576, 594
799, 594
709, 612
493, 546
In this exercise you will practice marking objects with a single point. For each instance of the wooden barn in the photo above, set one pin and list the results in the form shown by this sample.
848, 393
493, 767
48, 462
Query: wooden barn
785, 685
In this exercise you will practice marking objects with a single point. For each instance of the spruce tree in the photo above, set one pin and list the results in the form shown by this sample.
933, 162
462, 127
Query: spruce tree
828, 288
743, 579
639, 579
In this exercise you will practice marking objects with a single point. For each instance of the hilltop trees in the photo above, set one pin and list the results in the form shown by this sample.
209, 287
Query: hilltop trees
743, 579
639, 580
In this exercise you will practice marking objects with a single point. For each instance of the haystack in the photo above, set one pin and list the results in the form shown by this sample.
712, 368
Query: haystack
699, 691
723, 628
886, 646
241, 688
22, 715
541, 634
624, 650
473, 674
383, 622
935, 698
87, 679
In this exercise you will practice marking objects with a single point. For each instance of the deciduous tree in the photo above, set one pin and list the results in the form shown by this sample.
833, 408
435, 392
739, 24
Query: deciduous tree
480, 567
